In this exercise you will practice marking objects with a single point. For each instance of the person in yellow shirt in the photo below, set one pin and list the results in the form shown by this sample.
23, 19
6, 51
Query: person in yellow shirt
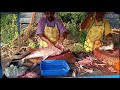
98, 29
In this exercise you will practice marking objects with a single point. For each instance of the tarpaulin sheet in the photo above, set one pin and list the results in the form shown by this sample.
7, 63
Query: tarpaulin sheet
106, 76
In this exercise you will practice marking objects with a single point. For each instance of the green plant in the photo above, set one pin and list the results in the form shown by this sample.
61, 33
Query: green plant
77, 17
72, 21
77, 48
82, 37
8, 24
116, 44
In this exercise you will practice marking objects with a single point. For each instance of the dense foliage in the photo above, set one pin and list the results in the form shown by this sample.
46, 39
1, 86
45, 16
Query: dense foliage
8, 24
72, 21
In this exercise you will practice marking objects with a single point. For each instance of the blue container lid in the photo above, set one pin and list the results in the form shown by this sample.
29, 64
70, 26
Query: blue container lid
54, 67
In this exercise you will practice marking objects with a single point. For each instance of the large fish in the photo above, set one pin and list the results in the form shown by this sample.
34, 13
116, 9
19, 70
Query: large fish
43, 53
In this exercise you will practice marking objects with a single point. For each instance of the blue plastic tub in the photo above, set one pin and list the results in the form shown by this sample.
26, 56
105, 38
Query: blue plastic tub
54, 68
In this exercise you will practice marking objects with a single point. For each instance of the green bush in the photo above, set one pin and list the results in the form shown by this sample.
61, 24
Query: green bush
76, 17
77, 48
116, 44
72, 21
8, 24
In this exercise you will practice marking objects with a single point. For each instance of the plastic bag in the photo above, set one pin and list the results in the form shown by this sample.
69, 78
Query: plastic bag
14, 71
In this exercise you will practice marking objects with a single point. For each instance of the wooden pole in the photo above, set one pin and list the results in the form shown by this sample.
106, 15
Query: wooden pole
18, 22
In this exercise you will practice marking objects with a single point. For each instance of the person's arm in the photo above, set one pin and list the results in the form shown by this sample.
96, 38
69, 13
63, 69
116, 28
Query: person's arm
109, 37
108, 30
63, 31
63, 36
40, 31
83, 24
42, 37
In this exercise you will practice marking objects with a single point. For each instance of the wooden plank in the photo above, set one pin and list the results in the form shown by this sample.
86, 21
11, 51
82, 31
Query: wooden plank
25, 20
29, 14
26, 15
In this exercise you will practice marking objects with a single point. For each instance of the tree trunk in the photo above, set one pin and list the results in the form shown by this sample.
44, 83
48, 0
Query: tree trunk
11, 48
29, 32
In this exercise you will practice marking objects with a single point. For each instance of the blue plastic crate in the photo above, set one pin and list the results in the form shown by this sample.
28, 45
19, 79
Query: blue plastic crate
54, 68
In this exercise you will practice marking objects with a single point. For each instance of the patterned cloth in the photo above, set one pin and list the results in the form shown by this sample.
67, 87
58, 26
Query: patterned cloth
96, 32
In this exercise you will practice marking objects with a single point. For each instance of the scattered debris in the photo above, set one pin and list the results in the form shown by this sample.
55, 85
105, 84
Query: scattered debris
74, 73
29, 75
14, 71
